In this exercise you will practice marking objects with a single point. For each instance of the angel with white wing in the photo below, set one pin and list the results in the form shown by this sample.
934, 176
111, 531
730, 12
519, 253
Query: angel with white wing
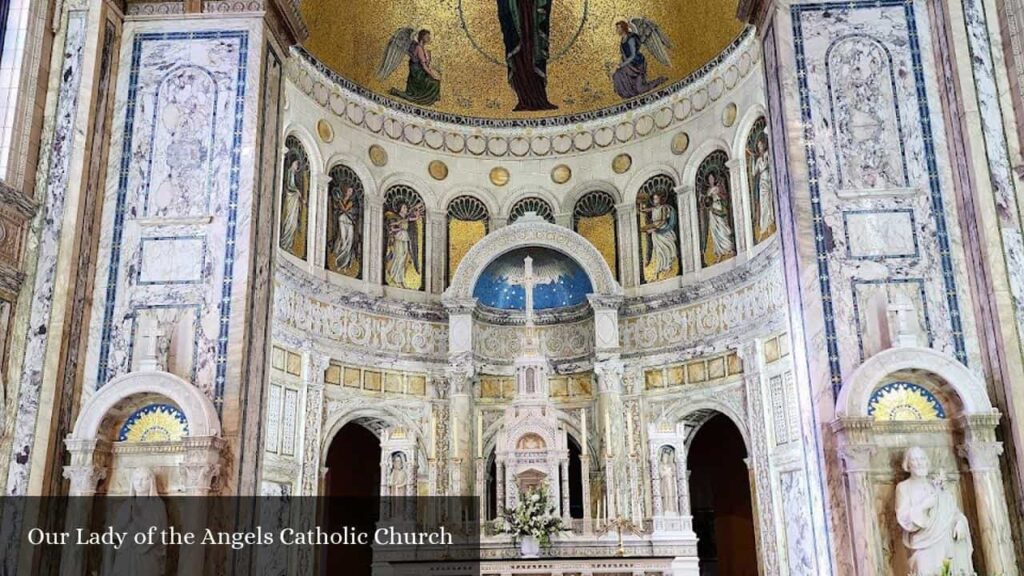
423, 85
630, 78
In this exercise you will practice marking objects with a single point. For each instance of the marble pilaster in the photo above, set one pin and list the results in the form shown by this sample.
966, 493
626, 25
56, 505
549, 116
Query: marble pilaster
857, 468
314, 365
996, 544
689, 242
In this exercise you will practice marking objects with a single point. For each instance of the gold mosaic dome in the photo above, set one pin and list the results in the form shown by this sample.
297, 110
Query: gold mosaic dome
517, 59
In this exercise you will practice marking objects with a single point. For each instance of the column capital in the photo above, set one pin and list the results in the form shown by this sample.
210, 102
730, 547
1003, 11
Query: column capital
981, 456
201, 465
456, 306
316, 365
84, 479
609, 374
856, 458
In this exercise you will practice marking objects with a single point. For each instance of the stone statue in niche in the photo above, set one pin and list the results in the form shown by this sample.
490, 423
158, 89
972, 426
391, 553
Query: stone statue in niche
935, 531
714, 210
139, 512
398, 482
294, 196
669, 484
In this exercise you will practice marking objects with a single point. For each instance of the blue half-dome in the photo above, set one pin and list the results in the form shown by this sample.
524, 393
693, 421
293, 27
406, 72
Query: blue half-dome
563, 281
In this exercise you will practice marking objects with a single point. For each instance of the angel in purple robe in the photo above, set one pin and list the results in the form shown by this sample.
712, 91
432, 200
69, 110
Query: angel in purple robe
630, 77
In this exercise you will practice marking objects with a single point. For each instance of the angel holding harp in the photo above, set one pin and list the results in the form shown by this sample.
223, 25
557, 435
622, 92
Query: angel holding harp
403, 238
423, 85
630, 78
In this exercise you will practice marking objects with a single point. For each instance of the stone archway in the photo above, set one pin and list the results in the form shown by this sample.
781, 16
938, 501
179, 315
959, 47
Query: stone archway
460, 303
90, 443
531, 233
956, 432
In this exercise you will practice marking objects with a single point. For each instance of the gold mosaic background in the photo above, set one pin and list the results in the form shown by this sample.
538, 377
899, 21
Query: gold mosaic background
350, 37
600, 231
462, 235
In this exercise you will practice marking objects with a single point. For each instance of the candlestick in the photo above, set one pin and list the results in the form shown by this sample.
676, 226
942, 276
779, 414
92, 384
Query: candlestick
583, 431
455, 438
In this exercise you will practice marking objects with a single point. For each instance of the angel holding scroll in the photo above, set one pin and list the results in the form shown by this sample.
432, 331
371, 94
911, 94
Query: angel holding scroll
423, 85
630, 78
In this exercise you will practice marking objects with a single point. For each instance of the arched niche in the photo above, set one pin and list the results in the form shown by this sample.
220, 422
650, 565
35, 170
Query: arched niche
186, 464
530, 232
908, 397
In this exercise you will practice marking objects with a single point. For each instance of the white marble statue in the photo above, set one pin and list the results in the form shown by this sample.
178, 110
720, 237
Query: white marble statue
935, 531
669, 485
136, 514
292, 204
398, 482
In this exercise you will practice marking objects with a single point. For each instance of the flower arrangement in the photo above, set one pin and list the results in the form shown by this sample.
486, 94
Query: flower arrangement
534, 516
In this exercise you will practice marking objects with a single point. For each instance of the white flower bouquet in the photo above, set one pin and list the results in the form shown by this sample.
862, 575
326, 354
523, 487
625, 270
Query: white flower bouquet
534, 516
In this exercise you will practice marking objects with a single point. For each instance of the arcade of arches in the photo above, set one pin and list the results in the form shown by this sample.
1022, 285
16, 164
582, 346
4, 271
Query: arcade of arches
737, 282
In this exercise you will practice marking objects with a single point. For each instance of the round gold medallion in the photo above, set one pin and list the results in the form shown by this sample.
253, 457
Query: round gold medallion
438, 170
622, 163
680, 142
561, 174
324, 130
499, 176
729, 115
378, 155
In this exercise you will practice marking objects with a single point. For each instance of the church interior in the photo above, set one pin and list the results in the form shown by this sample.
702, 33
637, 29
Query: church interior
734, 287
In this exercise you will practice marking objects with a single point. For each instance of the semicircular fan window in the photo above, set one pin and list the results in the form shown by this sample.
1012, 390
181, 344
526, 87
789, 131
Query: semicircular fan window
154, 423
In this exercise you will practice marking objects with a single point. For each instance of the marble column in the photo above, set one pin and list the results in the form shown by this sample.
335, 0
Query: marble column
85, 474
437, 243
738, 200
373, 269
199, 471
460, 374
585, 473
310, 482
625, 216
499, 484
860, 503
610, 425
481, 487
996, 539
689, 241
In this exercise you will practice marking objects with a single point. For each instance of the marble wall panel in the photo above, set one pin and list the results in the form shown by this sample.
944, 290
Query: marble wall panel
172, 214
861, 71
799, 534
48, 248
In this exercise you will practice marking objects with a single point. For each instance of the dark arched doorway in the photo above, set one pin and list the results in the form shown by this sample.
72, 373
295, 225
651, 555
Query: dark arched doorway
575, 480
352, 485
720, 500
